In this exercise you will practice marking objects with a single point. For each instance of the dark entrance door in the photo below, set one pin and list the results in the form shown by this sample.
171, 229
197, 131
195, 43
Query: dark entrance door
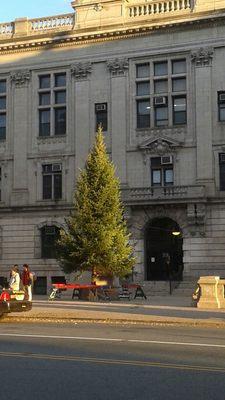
163, 249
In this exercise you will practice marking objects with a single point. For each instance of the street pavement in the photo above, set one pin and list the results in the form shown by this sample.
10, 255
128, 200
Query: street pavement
155, 310
106, 362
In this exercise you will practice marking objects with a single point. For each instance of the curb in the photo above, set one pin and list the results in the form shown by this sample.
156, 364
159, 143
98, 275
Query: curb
151, 321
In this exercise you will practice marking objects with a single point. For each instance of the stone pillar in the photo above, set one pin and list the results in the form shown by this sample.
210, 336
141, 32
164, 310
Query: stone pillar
20, 82
202, 59
118, 69
80, 72
209, 292
221, 292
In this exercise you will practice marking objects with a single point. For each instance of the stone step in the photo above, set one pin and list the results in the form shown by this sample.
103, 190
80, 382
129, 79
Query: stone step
182, 292
162, 288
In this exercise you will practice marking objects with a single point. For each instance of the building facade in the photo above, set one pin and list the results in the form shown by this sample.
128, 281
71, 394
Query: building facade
153, 73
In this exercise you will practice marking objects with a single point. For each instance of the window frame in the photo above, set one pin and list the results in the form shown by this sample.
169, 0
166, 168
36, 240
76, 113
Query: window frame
162, 168
49, 182
179, 112
101, 117
47, 249
167, 81
52, 89
220, 105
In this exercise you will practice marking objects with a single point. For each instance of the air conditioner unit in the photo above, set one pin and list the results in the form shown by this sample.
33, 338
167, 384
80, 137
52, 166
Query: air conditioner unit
100, 107
166, 160
222, 97
56, 167
160, 101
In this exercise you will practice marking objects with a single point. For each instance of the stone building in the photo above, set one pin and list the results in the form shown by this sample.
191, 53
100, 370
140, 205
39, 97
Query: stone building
153, 72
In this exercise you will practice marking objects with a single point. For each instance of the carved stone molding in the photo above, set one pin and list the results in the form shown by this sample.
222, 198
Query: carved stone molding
165, 131
20, 78
202, 57
118, 66
160, 146
81, 70
51, 139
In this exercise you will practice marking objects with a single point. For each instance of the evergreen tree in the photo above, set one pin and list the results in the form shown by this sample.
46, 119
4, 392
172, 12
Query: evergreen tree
96, 238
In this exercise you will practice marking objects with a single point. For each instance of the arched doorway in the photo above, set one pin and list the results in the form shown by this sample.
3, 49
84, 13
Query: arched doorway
163, 250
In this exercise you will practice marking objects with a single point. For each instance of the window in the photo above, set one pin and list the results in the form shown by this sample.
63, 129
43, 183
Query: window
179, 84
221, 106
160, 68
161, 115
52, 104
162, 171
161, 86
2, 109
161, 90
142, 70
222, 170
179, 110
49, 237
143, 113
178, 67
52, 181
101, 116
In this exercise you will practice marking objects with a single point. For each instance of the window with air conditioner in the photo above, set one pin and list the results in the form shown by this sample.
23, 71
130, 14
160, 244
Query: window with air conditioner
162, 171
101, 116
161, 92
51, 181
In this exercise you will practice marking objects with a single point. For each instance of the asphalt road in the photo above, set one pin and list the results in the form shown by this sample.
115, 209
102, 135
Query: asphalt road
101, 362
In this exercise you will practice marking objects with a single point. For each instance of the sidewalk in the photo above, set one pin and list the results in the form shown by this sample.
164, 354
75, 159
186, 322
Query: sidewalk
155, 310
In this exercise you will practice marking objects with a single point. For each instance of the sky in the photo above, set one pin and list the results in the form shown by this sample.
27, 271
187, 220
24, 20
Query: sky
12, 9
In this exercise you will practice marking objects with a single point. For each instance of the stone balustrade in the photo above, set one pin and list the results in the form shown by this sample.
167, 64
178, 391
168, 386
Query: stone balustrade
151, 194
6, 29
47, 23
212, 292
159, 7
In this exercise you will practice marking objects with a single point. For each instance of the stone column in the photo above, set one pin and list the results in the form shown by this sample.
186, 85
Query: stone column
80, 72
118, 69
202, 59
20, 82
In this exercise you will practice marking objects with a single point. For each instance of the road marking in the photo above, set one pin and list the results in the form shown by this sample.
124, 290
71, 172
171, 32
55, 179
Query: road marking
94, 360
113, 340
62, 337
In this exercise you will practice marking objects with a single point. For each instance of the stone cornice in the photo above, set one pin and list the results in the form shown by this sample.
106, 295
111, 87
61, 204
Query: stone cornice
79, 38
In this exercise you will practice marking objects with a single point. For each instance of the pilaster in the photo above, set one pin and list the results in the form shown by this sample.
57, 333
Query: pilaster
20, 88
118, 69
202, 60
80, 72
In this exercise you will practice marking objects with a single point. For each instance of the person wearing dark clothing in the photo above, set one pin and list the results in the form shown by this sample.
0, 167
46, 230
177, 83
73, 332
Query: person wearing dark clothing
27, 282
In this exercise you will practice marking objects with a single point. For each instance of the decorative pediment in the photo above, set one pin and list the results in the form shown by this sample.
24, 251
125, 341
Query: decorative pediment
160, 146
